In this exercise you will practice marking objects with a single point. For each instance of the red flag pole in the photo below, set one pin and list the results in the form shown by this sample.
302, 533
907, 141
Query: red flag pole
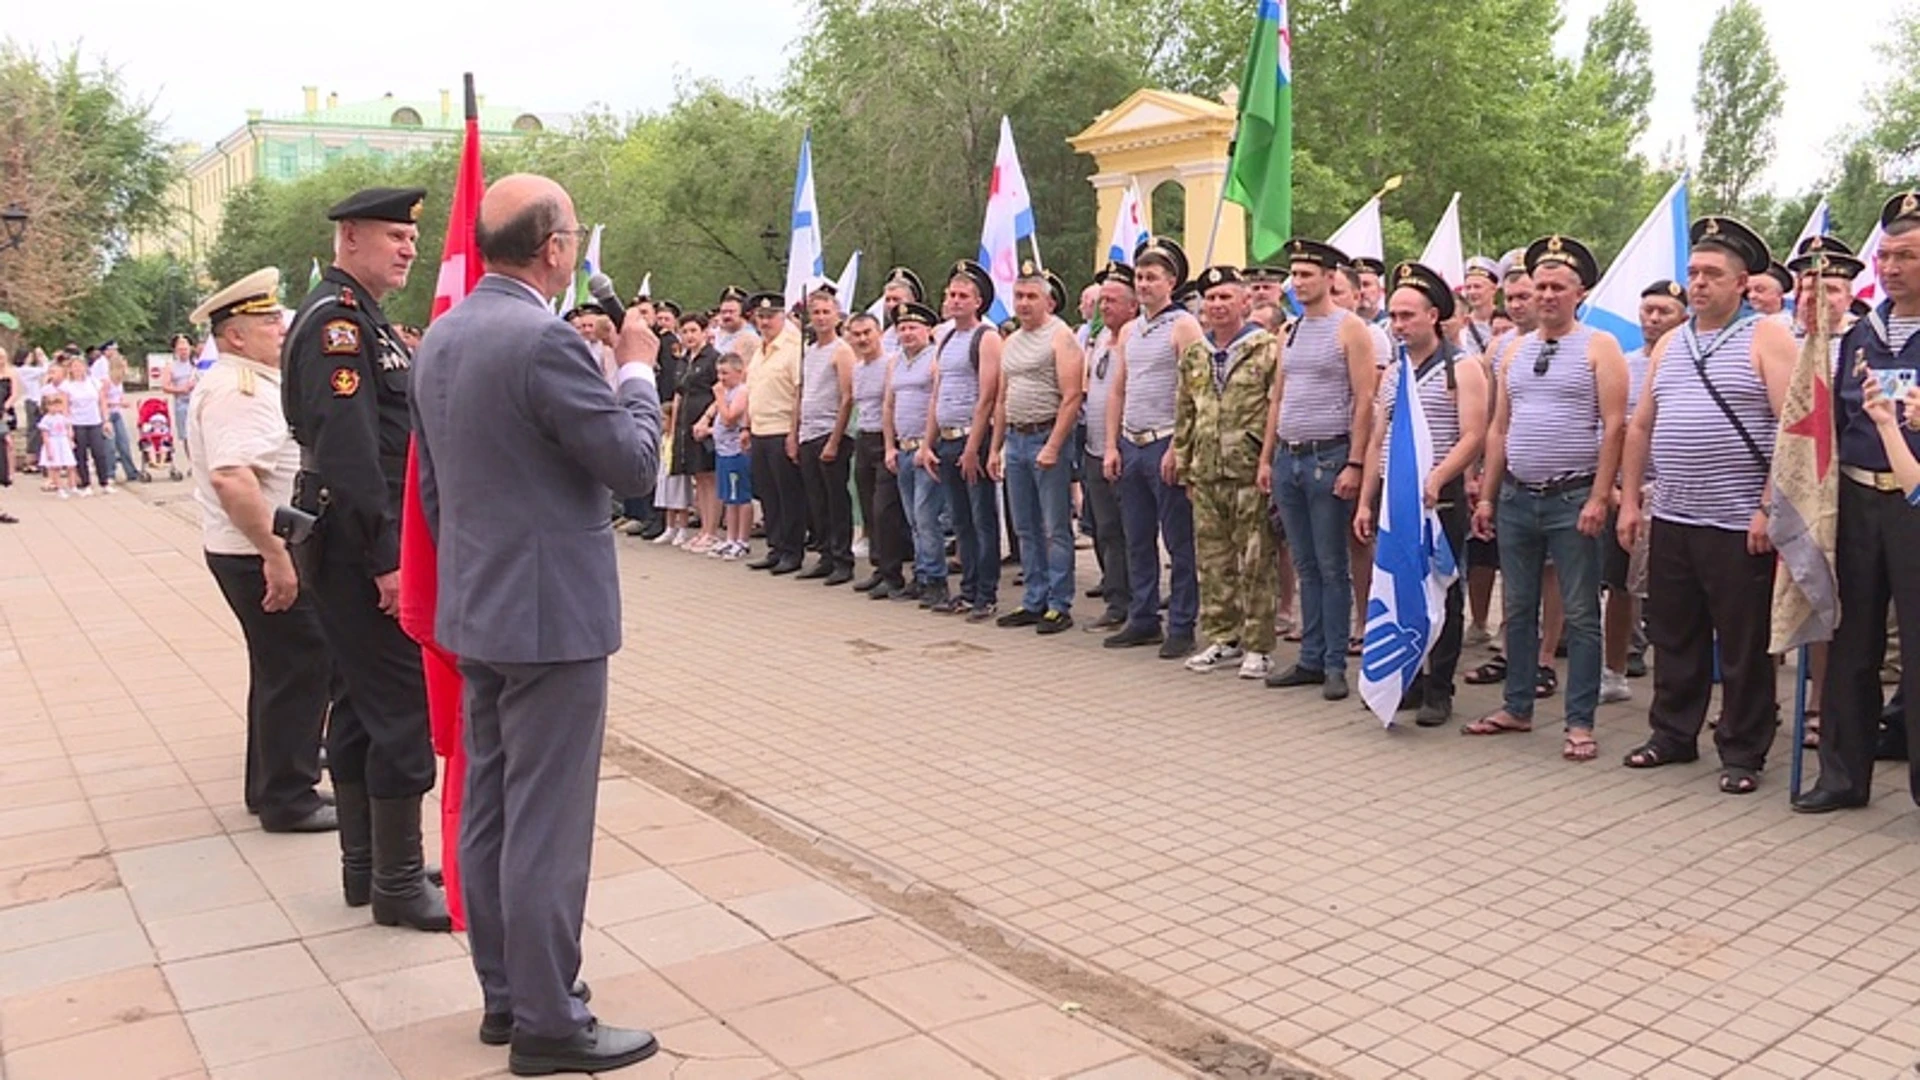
419, 559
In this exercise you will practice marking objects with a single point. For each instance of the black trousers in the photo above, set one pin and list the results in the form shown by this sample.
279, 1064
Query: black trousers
1876, 564
287, 670
1455, 516
1101, 505
783, 497
91, 441
829, 502
889, 543
1702, 585
377, 733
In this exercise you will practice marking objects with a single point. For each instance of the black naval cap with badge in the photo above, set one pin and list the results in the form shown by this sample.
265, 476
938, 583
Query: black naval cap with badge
402, 205
1261, 274
1164, 253
1367, 264
1427, 282
1213, 277
1115, 270
1666, 289
761, 303
1558, 250
1316, 253
901, 275
1901, 214
982, 281
1031, 270
1827, 257
1733, 237
913, 311
734, 293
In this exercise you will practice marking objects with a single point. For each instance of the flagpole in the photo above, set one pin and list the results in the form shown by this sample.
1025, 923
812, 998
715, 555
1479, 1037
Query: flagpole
1220, 200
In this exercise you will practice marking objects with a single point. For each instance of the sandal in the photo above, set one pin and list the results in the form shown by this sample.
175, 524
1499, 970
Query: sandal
1580, 749
1497, 723
1493, 671
1545, 682
1735, 780
1648, 755
1355, 646
1810, 736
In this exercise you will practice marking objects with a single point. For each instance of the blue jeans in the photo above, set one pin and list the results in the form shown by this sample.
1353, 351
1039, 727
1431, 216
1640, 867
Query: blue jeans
923, 499
1317, 524
976, 524
1042, 502
1530, 528
1151, 511
122, 447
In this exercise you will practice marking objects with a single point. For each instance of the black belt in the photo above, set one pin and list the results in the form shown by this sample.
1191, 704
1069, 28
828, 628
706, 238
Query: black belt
1313, 446
1555, 486
1034, 428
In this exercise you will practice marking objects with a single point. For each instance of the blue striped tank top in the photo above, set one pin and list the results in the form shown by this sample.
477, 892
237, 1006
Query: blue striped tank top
1708, 476
1153, 371
1316, 397
1553, 418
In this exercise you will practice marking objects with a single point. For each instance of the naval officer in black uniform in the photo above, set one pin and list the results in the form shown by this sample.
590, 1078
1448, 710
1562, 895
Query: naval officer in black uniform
345, 394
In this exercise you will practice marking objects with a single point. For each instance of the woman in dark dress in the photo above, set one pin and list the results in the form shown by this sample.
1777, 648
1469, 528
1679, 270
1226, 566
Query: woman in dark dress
694, 457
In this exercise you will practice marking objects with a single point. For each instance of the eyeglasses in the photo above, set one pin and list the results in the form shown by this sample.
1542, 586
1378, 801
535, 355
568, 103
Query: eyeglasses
1545, 359
578, 233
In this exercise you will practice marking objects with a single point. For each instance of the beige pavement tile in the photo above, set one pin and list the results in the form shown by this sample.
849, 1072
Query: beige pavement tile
815, 1026
187, 877
397, 999
870, 947
242, 975
140, 804
692, 842
685, 934
359, 1058
637, 895
642, 999
708, 1048
323, 911
612, 858
27, 793
914, 1056
371, 950
796, 909
146, 777
732, 980
730, 877
65, 917
37, 967
943, 993
84, 1005
45, 817
1037, 1041
55, 845
444, 1048
154, 1048
276, 1024
1146, 1068
204, 933
129, 833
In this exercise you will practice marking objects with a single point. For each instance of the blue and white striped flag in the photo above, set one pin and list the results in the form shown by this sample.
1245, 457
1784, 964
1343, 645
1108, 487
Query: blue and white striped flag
1413, 564
1657, 252
806, 261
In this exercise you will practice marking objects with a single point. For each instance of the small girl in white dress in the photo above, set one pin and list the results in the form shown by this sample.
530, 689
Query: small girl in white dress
56, 444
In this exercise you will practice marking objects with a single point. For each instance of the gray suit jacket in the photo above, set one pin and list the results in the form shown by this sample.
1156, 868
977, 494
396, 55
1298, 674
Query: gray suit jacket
519, 440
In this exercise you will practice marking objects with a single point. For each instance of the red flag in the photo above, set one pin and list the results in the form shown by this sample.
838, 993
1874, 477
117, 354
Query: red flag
419, 562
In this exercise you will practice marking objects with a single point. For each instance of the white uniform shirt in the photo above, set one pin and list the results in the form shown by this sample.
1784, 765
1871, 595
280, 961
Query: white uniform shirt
236, 422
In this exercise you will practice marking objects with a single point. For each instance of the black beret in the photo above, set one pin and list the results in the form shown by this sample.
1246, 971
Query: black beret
1831, 245
1735, 238
734, 293
1671, 290
1427, 282
1902, 207
1216, 276
1115, 270
381, 204
1780, 275
901, 275
1166, 254
982, 281
767, 301
1827, 263
1319, 253
588, 308
1259, 275
1367, 264
1558, 250
668, 305
1057, 289
913, 311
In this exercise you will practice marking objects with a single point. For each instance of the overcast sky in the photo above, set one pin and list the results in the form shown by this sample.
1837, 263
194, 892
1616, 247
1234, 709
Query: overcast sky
205, 64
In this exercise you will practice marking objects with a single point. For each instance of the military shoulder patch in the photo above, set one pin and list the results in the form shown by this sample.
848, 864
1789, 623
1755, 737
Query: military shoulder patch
346, 382
340, 337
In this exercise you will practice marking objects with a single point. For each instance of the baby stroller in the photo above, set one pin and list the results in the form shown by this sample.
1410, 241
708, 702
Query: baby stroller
156, 439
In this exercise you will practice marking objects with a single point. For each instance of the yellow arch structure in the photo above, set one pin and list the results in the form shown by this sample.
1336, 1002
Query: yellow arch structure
1159, 135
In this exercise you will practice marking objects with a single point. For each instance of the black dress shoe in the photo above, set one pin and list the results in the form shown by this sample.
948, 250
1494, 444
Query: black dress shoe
1176, 646
869, 583
1134, 635
881, 591
813, 573
1112, 620
496, 1029
765, 562
1822, 801
786, 566
1297, 676
594, 1048
1054, 622
1019, 616
840, 576
907, 593
322, 818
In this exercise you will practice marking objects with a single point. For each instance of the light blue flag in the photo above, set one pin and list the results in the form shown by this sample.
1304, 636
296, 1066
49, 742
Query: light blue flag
1657, 252
1413, 564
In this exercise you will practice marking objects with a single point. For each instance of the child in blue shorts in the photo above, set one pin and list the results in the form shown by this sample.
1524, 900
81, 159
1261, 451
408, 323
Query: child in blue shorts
724, 420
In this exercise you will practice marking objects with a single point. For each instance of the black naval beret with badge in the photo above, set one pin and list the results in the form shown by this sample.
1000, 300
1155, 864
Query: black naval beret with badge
1733, 237
1367, 264
1115, 270
1264, 275
402, 205
901, 275
734, 293
1780, 275
1427, 282
256, 294
913, 311
1056, 288
1215, 276
1670, 290
1165, 254
1319, 253
588, 308
1903, 207
1828, 257
669, 305
766, 301
1558, 250
982, 281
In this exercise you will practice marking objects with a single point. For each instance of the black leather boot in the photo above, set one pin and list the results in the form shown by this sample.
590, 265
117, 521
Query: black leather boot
402, 895
356, 842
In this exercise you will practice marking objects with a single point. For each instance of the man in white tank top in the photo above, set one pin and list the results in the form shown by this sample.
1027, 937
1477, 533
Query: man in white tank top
1554, 382
1710, 564
818, 441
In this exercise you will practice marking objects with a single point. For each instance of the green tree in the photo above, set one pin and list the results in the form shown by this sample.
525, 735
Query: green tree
1735, 103
1618, 58
1895, 128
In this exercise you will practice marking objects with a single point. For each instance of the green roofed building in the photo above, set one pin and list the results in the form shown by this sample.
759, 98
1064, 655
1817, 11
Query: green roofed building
282, 147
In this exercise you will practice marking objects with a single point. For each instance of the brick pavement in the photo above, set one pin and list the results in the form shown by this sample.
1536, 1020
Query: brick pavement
1409, 903
150, 931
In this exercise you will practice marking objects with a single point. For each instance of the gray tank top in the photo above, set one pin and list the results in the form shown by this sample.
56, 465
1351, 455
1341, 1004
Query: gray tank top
1099, 386
1032, 378
1443, 412
1316, 399
912, 385
869, 391
1708, 476
959, 383
1553, 419
819, 391
1153, 372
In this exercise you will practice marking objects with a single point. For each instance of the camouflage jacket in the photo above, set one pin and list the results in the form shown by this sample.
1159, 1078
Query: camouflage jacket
1218, 426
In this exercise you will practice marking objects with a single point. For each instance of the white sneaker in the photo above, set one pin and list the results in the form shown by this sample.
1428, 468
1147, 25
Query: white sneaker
680, 537
735, 552
665, 537
106, 489
65, 494
1256, 665
1613, 687
1214, 656
86, 493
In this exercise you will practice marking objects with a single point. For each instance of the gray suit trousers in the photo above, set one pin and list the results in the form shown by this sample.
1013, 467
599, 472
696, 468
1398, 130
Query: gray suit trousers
526, 833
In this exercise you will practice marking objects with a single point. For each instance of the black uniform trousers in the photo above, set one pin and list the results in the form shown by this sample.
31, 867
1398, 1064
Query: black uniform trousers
829, 500
889, 543
1455, 517
287, 672
783, 497
1702, 585
1876, 563
1100, 503
377, 733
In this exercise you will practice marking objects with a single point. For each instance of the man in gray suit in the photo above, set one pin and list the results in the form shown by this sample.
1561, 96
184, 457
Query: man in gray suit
519, 440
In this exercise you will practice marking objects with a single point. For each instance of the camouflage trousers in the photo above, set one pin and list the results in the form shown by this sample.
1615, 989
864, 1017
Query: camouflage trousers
1233, 552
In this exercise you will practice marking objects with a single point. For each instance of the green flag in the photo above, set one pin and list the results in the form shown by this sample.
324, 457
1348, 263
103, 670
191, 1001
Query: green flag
1260, 176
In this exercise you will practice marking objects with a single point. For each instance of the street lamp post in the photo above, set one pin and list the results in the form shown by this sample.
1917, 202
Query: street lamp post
13, 226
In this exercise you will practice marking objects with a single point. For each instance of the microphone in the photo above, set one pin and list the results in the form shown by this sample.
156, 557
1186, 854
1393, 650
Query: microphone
601, 288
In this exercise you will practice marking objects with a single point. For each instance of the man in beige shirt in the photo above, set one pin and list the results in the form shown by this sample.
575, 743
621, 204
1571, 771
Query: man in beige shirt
244, 463
773, 392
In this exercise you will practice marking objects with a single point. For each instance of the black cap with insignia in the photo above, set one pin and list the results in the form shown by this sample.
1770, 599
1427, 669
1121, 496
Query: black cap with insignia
901, 275
1832, 245
1733, 237
982, 281
1265, 275
735, 293
1165, 254
1427, 282
1115, 270
669, 305
381, 204
1826, 257
1558, 250
1902, 207
761, 302
1671, 290
1324, 255
1780, 275
1367, 264
588, 308
913, 311
1215, 276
